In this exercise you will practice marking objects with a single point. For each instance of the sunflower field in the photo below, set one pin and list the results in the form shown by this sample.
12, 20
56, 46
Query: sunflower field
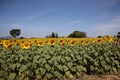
58, 58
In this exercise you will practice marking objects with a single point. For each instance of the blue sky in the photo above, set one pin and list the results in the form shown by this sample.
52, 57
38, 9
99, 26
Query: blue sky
38, 18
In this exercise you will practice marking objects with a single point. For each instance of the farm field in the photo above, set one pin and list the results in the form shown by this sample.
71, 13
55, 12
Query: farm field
60, 59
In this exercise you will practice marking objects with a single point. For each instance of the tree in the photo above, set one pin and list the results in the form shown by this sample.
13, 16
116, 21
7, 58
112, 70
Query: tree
77, 34
15, 32
118, 35
99, 36
52, 35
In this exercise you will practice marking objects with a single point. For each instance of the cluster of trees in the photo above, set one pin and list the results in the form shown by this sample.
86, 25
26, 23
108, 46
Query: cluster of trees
75, 34
52, 35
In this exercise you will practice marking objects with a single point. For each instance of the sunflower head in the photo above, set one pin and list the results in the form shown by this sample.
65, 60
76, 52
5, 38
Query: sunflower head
99, 41
26, 45
87, 41
7, 43
47, 41
73, 42
63, 44
81, 41
40, 43
110, 38
52, 42
1, 42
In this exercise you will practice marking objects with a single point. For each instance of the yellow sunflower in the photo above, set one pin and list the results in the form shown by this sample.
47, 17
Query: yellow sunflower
99, 41
81, 41
7, 43
47, 41
63, 44
110, 38
52, 42
73, 42
1, 42
40, 43
26, 45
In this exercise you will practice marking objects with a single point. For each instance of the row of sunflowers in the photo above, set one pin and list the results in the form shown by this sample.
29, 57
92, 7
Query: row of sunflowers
27, 43
58, 58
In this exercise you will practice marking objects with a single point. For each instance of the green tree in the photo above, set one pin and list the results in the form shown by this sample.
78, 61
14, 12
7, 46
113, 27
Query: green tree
99, 36
52, 35
118, 35
15, 32
77, 34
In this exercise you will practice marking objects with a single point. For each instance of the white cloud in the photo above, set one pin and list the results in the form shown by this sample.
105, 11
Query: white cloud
75, 22
117, 19
14, 26
110, 28
40, 13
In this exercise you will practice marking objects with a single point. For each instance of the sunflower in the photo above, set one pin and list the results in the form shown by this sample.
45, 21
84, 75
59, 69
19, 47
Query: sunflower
52, 42
26, 45
73, 42
81, 41
63, 44
22, 42
94, 40
110, 38
99, 41
86, 41
61, 40
104, 38
7, 43
1, 42
47, 41
116, 39
40, 43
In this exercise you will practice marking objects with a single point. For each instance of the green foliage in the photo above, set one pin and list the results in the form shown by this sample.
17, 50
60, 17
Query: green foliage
77, 34
15, 32
52, 35
56, 62
118, 35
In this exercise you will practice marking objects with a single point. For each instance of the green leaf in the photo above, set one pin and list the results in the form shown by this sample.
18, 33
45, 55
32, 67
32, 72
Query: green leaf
13, 66
12, 76
57, 74
70, 64
43, 71
26, 78
47, 67
18, 65
85, 61
49, 75
47, 56
22, 68
38, 76
71, 76
35, 59
65, 68
59, 67
73, 69
114, 70
37, 71
4, 74
62, 60
92, 68
68, 73
68, 58
45, 78
72, 55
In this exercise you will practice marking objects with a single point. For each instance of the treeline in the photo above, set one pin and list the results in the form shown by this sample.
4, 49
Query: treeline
75, 34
